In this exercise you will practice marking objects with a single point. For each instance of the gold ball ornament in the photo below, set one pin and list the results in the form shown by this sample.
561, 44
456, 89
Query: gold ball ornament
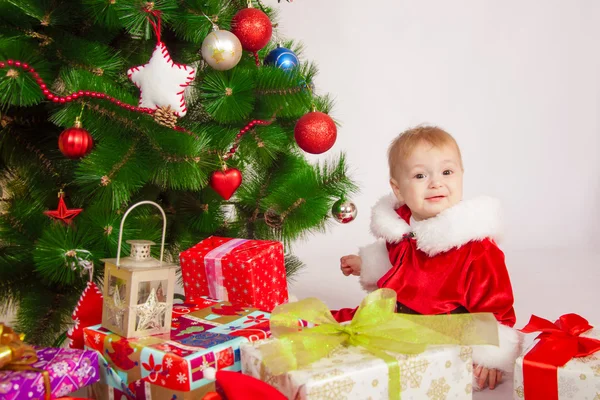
344, 211
221, 50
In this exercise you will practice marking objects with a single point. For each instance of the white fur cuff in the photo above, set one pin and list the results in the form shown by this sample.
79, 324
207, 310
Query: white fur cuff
500, 357
469, 220
375, 263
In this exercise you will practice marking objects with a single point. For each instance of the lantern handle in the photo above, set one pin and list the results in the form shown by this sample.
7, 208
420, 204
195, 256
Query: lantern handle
162, 244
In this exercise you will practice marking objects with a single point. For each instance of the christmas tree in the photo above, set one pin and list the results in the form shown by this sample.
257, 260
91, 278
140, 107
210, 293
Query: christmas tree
108, 103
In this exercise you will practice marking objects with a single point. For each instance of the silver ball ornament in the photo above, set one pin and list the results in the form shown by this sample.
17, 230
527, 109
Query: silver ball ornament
344, 211
221, 50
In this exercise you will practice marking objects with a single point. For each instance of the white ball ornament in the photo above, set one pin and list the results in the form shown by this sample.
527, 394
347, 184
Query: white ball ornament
221, 50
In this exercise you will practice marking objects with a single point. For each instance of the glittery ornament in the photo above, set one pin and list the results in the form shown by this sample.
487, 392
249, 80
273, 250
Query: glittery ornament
282, 58
344, 211
75, 142
315, 132
253, 27
221, 50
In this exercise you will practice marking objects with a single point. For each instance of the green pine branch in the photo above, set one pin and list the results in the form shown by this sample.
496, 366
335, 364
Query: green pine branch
44, 311
32, 8
228, 95
196, 19
135, 15
112, 173
286, 93
50, 253
18, 88
293, 265
98, 58
103, 13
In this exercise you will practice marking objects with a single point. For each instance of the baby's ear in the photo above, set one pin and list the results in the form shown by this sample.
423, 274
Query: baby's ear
396, 190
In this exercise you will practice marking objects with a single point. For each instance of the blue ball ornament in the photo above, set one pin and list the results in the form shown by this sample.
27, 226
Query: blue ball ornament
282, 58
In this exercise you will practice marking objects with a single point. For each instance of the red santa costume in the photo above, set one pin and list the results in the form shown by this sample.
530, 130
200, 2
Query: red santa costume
446, 264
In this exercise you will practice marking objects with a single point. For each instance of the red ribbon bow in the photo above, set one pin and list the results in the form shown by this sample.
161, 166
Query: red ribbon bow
559, 343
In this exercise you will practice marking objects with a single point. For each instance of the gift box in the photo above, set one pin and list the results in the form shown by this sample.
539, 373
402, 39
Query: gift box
204, 334
145, 391
66, 370
111, 387
249, 272
378, 355
355, 373
563, 363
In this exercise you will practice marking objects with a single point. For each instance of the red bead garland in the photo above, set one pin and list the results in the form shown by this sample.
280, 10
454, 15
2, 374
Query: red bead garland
226, 181
238, 137
73, 96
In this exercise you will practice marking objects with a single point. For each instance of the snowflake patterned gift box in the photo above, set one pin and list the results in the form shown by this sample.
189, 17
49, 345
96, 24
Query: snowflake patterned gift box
562, 364
379, 354
250, 272
353, 373
206, 333
68, 370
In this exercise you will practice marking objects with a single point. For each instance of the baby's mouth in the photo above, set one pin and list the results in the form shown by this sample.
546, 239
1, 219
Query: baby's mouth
435, 198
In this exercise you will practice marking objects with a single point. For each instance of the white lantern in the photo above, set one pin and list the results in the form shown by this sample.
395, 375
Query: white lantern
138, 290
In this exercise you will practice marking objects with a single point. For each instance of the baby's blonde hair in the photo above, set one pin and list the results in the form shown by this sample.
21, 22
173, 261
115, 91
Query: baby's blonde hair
403, 145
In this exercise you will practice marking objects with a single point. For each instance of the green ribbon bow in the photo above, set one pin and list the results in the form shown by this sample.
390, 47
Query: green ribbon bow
375, 327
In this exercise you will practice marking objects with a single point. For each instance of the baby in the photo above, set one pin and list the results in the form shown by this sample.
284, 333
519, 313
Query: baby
435, 250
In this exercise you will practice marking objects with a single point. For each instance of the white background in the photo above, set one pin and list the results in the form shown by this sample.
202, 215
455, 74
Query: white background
517, 84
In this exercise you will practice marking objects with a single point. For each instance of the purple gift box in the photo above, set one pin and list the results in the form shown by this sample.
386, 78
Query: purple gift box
68, 369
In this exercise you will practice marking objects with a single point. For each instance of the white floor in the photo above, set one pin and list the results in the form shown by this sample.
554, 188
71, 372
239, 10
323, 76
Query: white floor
502, 392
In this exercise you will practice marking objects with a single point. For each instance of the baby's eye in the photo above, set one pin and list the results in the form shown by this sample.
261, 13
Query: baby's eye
420, 176
448, 172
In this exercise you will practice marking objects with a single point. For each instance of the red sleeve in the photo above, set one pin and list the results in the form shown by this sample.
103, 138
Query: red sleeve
488, 287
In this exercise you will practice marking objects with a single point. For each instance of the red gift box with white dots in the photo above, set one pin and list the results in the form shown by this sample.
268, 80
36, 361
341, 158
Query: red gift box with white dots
248, 272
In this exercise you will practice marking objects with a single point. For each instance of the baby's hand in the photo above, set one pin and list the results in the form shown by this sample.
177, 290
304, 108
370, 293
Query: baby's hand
485, 376
350, 265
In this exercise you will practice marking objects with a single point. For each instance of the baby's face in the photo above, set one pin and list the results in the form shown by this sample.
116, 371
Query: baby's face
429, 181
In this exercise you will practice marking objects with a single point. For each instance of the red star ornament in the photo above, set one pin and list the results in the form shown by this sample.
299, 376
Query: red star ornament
162, 81
62, 212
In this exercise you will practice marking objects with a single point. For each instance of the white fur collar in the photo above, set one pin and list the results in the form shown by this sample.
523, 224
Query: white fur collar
467, 221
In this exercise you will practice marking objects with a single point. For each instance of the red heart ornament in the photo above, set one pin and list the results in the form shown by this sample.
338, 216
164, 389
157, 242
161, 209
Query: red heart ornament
226, 182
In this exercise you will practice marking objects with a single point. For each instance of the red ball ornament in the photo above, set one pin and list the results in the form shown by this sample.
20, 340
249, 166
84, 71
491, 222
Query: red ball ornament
253, 27
75, 142
315, 132
226, 182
